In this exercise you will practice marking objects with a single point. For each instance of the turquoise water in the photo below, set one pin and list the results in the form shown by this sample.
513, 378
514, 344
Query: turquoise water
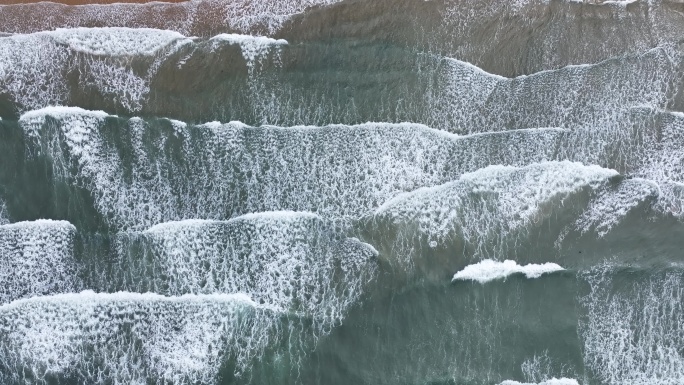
353, 192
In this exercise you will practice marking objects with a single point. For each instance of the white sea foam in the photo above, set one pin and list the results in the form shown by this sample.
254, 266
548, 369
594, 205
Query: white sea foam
253, 47
248, 39
471, 22
112, 78
124, 296
622, 3
553, 381
463, 98
31, 70
79, 128
34, 68
490, 270
242, 15
269, 15
338, 171
489, 206
612, 204
96, 337
294, 262
632, 332
543, 366
301, 168
37, 258
115, 41
663, 163
4, 214
466, 99
59, 112
279, 216
178, 126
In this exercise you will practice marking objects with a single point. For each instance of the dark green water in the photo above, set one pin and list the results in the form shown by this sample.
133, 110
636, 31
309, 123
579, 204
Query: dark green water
360, 192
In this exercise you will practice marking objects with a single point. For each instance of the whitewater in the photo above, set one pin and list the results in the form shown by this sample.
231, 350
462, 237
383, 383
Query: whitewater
214, 192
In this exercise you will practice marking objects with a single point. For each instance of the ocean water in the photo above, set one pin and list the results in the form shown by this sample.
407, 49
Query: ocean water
342, 192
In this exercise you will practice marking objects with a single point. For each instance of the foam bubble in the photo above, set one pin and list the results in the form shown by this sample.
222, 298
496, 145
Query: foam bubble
37, 117
490, 270
37, 258
541, 367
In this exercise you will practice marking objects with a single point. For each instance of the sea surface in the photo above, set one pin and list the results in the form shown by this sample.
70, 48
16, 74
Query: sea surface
371, 192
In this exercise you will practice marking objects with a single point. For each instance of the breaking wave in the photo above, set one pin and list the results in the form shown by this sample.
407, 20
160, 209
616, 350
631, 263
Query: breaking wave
127, 337
489, 270
37, 258
294, 262
259, 192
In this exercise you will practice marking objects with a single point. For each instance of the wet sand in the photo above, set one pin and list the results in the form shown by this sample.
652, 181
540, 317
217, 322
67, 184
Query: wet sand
84, 2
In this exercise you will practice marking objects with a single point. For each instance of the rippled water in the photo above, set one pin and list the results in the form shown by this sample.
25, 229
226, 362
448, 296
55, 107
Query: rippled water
342, 192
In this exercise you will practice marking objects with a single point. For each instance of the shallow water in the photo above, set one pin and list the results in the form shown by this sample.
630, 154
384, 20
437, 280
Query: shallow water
352, 192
